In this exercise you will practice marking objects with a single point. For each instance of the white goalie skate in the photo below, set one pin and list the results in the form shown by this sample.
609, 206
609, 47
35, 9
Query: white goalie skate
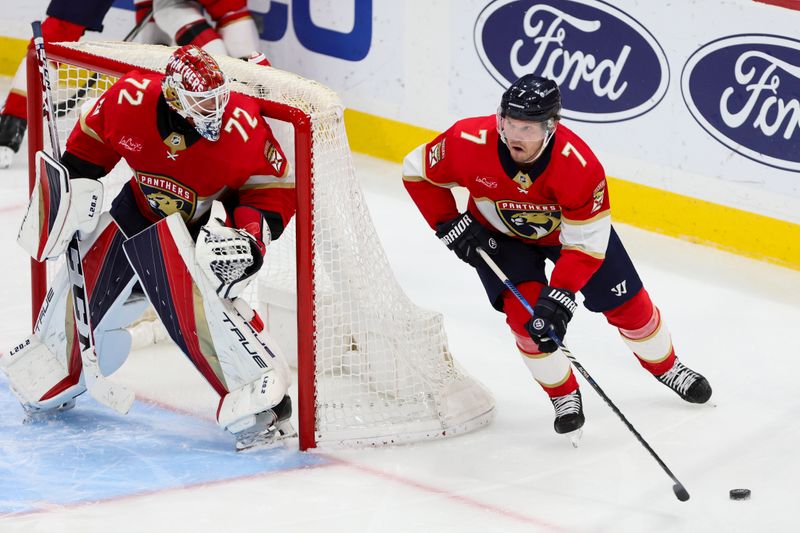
34, 414
268, 429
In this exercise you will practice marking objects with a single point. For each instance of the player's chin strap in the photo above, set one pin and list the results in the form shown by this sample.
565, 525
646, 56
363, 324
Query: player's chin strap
117, 397
678, 488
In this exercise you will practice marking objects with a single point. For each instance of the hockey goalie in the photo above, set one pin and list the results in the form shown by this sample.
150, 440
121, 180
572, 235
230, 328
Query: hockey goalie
210, 189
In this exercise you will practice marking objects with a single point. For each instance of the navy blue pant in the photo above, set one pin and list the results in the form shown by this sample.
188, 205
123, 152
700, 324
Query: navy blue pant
89, 13
614, 283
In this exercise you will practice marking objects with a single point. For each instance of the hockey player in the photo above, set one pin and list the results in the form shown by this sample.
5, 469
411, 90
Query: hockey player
191, 143
183, 22
536, 193
66, 21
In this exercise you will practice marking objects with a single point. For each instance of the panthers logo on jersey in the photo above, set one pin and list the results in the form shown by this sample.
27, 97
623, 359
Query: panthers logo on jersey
531, 221
166, 196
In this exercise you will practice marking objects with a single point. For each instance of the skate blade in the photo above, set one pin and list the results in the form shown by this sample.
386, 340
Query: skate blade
574, 437
258, 444
37, 417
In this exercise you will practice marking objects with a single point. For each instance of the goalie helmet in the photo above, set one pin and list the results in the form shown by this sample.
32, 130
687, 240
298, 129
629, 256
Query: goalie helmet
197, 89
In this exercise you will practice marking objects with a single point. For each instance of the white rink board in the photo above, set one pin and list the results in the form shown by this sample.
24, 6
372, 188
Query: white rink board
420, 62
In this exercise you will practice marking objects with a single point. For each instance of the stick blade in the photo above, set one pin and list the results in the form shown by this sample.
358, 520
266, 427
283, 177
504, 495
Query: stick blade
680, 492
113, 395
117, 397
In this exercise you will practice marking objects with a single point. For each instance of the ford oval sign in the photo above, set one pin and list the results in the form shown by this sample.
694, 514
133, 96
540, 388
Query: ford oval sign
744, 90
609, 67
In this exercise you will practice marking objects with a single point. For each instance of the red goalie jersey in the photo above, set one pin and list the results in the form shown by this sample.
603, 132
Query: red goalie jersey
174, 168
561, 199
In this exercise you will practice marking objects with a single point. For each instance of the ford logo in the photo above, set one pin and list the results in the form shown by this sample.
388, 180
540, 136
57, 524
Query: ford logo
744, 90
609, 67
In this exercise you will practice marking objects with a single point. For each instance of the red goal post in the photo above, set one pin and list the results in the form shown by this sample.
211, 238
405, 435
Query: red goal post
372, 367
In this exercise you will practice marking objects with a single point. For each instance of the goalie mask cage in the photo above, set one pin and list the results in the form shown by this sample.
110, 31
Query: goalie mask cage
373, 368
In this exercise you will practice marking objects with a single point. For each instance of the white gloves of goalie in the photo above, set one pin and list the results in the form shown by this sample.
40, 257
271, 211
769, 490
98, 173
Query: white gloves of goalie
229, 257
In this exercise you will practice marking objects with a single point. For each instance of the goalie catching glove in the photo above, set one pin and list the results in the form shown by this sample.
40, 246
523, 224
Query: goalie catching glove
230, 257
464, 235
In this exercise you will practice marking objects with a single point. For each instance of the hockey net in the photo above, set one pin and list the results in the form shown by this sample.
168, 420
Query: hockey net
373, 368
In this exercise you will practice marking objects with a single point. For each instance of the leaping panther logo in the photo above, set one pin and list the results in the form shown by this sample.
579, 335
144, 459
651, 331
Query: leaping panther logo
528, 220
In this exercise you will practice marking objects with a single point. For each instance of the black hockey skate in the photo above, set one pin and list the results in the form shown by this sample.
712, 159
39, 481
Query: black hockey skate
271, 426
687, 383
569, 416
12, 130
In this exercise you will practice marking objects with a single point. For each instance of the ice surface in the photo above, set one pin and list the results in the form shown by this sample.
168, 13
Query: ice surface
167, 467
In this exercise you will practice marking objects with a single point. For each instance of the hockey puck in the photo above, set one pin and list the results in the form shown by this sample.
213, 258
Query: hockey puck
740, 494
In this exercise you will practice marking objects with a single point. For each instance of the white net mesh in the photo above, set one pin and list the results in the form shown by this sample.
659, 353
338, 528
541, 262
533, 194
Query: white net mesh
383, 370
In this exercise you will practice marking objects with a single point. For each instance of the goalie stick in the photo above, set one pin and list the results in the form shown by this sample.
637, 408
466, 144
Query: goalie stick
680, 491
117, 397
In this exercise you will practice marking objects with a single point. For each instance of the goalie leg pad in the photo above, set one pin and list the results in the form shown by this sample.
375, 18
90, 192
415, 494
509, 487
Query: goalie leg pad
45, 369
38, 377
237, 408
244, 366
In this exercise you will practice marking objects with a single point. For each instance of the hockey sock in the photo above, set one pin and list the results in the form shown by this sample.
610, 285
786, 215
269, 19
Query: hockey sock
552, 372
639, 322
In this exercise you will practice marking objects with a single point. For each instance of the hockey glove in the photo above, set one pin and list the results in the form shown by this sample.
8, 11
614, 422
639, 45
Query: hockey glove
464, 235
553, 311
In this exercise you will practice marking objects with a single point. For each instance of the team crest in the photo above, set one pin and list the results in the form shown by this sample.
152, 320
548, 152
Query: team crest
436, 153
598, 196
274, 158
531, 221
166, 196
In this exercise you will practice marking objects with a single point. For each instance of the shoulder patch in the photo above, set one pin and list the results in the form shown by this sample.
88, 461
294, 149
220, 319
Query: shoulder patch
274, 157
436, 153
598, 196
98, 106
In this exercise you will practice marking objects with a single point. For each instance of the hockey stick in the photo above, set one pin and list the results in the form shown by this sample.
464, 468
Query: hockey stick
117, 397
678, 488
138, 28
63, 108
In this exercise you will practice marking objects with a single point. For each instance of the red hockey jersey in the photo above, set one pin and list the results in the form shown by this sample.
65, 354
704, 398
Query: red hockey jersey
561, 200
169, 175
